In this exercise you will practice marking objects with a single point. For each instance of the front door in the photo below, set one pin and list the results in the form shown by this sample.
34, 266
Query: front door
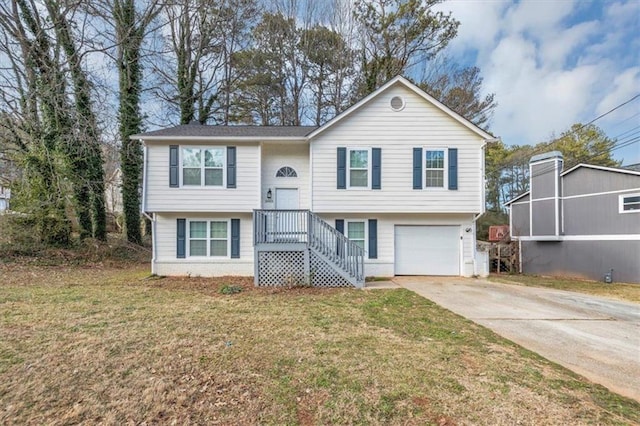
287, 199
288, 223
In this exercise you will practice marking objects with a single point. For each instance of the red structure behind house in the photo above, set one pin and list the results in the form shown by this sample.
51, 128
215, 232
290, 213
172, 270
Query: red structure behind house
499, 233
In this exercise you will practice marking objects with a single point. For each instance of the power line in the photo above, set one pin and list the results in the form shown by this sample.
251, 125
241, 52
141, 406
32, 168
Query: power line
573, 131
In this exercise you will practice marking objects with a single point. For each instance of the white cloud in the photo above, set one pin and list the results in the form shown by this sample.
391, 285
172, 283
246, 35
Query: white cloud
625, 85
550, 63
480, 22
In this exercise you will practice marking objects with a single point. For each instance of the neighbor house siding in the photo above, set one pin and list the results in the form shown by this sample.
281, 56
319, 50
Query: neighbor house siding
375, 125
598, 215
583, 259
161, 198
277, 155
592, 181
166, 262
384, 264
520, 223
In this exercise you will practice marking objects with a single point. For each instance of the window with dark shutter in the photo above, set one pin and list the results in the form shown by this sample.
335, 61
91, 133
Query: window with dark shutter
235, 238
231, 167
376, 164
174, 167
342, 169
417, 168
373, 238
453, 168
181, 238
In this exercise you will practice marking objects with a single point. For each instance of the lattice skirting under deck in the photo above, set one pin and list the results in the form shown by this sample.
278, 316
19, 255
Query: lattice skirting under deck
278, 268
290, 268
323, 275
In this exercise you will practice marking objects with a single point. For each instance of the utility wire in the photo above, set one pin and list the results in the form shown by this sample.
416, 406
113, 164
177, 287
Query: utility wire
582, 126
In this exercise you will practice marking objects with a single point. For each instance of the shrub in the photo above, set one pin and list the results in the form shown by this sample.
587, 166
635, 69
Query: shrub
230, 289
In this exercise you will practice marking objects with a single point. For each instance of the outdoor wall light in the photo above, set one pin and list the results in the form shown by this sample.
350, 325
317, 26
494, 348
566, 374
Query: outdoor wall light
468, 230
269, 195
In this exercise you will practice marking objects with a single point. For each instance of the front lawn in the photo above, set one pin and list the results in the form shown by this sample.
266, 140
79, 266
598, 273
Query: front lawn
106, 345
621, 291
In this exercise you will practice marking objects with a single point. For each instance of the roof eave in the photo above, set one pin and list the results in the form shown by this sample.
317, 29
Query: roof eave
607, 169
218, 138
513, 200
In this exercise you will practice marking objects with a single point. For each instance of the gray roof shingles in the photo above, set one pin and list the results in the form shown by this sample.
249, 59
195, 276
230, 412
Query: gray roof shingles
199, 130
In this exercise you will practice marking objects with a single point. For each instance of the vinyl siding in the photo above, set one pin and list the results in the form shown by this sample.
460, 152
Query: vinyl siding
166, 262
598, 215
520, 224
384, 264
589, 181
419, 124
583, 259
277, 155
161, 198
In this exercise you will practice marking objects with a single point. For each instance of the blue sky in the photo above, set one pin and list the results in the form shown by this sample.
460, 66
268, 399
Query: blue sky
552, 63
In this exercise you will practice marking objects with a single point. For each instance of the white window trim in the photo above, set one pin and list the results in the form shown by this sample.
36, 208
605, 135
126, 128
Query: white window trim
208, 239
445, 173
621, 198
366, 231
369, 168
202, 168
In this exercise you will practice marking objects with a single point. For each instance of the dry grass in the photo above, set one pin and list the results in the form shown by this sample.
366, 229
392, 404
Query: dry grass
620, 291
105, 345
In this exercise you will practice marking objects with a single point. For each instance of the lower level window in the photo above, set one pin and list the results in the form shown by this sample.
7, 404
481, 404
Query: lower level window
209, 238
356, 232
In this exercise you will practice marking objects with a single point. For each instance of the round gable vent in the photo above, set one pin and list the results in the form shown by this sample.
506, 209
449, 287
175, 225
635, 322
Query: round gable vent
397, 103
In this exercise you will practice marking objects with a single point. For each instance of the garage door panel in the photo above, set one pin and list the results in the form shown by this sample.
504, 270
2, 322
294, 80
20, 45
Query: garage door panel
427, 250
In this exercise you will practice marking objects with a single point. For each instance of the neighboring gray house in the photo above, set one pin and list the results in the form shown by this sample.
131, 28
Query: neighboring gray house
582, 222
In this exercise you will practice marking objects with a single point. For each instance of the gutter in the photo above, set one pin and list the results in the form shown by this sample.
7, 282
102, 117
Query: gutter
220, 138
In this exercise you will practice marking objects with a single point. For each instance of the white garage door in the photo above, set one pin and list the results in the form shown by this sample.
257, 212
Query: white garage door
427, 250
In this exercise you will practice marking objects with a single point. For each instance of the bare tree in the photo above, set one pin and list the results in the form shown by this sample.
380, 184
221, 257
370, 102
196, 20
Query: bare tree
398, 33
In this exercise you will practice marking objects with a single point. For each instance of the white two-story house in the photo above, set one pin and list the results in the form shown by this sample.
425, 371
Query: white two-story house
392, 186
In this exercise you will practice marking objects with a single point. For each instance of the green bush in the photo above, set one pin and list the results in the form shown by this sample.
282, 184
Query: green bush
230, 289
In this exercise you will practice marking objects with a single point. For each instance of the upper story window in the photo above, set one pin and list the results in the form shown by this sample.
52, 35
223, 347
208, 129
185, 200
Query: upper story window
435, 168
203, 166
286, 171
629, 203
208, 238
358, 163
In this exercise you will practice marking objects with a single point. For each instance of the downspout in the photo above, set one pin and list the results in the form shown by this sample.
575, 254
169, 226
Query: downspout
145, 160
484, 199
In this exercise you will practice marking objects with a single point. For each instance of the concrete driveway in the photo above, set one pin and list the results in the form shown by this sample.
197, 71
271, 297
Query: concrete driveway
596, 337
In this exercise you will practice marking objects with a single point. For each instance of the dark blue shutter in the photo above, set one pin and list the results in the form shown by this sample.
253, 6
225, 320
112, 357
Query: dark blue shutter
174, 167
373, 238
340, 229
181, 239
376, 160
342, 168
417, 168
235, 238
231, 167
453, 168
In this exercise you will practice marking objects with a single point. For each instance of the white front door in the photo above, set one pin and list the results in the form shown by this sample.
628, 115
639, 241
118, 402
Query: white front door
287, 223
287, 199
